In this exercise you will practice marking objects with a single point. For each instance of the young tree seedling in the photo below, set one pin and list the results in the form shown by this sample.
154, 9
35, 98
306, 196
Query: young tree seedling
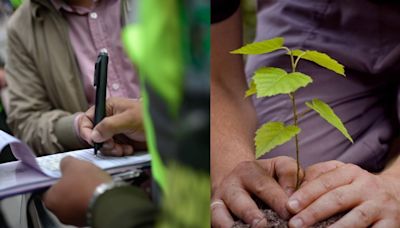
272, 81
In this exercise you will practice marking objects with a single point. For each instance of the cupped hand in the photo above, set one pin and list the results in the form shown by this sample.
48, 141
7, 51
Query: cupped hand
69, 198
333, 187
121, 132
271, 180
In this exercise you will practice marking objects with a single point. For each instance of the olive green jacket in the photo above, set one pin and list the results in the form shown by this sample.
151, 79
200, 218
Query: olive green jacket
46, 91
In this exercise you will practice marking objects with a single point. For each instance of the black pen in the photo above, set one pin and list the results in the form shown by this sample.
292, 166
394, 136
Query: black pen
100, 82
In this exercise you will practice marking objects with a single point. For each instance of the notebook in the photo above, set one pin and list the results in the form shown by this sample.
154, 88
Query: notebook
31, 173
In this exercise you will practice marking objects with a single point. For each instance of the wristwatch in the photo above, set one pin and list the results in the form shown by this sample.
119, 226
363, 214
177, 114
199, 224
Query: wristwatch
98, 192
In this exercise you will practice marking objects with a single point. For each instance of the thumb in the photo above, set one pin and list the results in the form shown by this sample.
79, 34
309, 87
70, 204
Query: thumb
66, 162
109, 127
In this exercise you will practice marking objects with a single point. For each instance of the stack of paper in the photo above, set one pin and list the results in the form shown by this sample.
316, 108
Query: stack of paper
31, 173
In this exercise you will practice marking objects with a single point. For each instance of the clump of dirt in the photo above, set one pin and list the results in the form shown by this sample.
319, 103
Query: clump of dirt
274, 221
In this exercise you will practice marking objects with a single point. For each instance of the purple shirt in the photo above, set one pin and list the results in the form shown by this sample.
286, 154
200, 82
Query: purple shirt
91, 30
363, 36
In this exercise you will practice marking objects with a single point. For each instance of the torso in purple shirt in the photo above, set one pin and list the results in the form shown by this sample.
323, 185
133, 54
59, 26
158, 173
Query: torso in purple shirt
364, 37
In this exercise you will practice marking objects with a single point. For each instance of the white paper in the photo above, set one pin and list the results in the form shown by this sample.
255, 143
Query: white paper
50, 164
31, 173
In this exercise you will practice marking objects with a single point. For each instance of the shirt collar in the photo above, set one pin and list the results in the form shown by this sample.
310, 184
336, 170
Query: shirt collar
58, 4
61, 5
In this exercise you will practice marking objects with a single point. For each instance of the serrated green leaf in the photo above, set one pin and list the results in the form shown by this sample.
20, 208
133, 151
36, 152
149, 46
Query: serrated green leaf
329, 115
273, 134
252, 89
271, 81
261, 47
321, 59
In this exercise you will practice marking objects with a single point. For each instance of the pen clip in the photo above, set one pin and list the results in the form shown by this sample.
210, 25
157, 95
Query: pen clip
97, 70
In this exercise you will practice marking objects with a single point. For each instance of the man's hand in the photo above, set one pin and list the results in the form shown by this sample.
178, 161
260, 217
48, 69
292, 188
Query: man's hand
69, 198
121, 131
271, 180
332, 187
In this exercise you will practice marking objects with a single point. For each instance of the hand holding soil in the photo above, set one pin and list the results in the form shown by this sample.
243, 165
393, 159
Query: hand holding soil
371, 200
271, 180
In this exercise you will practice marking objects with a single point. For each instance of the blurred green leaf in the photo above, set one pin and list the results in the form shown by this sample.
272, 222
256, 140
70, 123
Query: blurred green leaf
327, 114
321, 59
261, 47
252, 89
272, 81
273, 134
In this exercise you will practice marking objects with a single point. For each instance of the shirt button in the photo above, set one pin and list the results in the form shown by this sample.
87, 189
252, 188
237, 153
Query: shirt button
93, 15
115, 86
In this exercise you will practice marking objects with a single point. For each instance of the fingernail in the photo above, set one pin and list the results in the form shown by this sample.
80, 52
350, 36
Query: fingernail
294, 205
96, 137
295, 223
258, 223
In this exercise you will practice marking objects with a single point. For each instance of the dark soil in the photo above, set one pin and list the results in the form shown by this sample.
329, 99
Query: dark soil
274, 221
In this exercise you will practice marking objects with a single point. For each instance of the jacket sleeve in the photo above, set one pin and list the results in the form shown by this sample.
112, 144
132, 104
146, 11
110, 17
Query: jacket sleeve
32, 117
124, 207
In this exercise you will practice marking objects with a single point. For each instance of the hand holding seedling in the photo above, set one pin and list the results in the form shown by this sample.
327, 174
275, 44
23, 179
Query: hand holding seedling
271, 180
332, 187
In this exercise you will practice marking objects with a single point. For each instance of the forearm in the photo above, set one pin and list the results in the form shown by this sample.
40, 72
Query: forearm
233, 119
45, 132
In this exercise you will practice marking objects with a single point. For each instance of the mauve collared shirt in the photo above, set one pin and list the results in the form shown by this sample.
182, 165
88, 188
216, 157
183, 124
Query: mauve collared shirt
364, 36
91, 30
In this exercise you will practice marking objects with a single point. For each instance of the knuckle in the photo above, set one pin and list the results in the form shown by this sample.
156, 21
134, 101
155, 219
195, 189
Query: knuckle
352, 168
284, 159
326, 184
362, 215
268, 166
339, 198
387, 199
259, 187
108, 124
232, 195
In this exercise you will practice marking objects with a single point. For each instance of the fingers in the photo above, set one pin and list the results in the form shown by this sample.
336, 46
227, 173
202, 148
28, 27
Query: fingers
329, 204
286, 173
66, 162
49, 199
386, 223
110, 148
361, 216
220, 215
85, 128
111, 126
325, 183
318, 169
90, 113
266, 188
242, 205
